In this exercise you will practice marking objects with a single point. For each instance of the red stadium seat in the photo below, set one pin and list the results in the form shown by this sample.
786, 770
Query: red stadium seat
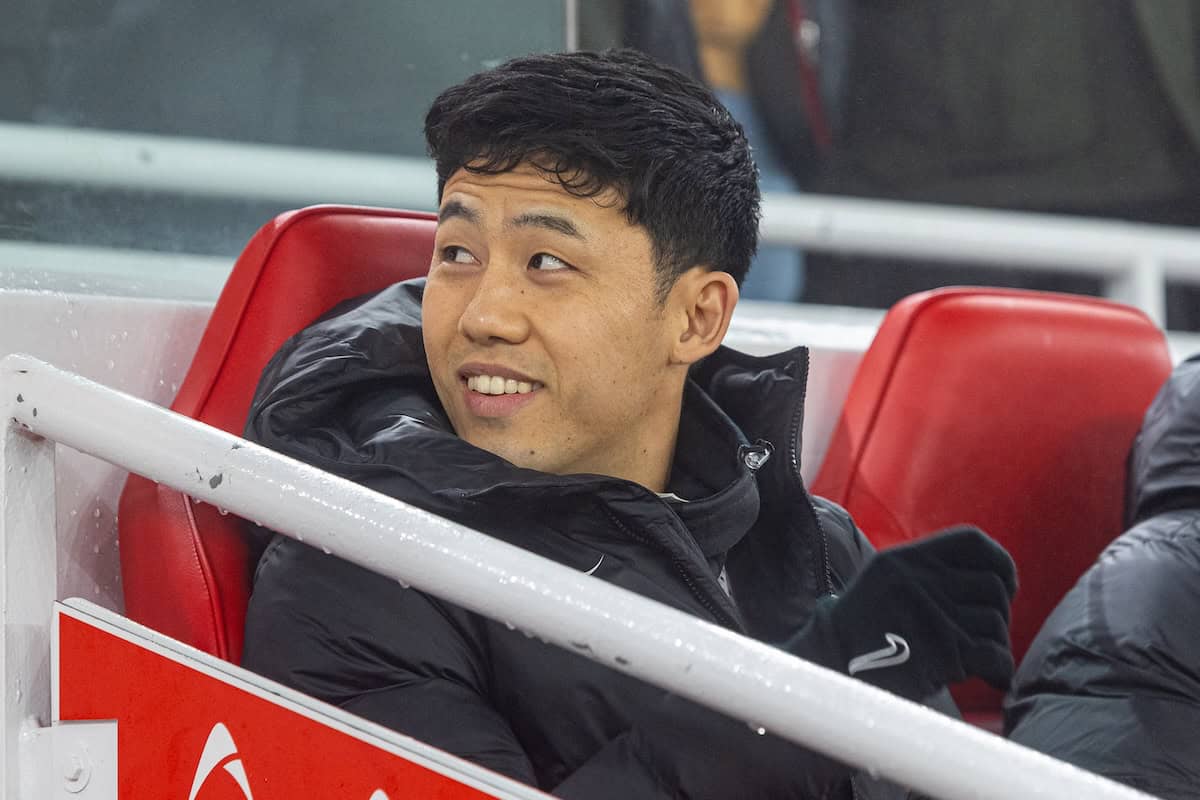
1011, 410
186, 568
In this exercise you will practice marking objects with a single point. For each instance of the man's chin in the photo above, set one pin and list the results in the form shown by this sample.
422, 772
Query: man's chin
520, 455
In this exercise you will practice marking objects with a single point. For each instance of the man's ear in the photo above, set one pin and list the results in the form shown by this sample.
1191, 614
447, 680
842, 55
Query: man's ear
702, 302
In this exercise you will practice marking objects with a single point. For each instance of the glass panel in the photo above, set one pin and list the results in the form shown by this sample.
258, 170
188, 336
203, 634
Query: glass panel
329, 75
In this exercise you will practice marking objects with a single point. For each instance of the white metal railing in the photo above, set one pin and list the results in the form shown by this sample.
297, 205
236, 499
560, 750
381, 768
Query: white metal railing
1134, 260
746, 679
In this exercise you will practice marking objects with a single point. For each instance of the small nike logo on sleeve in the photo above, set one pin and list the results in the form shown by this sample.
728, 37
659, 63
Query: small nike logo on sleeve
894, 654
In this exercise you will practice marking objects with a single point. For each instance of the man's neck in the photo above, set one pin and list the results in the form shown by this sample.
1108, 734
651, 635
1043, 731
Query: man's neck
650, 466
647, 461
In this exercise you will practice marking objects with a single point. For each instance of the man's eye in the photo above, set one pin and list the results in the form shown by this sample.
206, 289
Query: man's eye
457, 255
545, 262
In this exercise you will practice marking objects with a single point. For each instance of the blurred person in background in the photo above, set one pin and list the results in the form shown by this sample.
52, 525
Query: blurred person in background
1112, 681
779, 66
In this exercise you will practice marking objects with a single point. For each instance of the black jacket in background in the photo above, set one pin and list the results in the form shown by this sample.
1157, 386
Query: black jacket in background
1112, 681
352, 394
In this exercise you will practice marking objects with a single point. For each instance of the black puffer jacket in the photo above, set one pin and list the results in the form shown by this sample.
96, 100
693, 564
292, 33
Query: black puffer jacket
352, 395
1112, 681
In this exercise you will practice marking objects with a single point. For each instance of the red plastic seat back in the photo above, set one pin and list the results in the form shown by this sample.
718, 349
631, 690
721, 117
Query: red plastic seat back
1011, 410
186, 568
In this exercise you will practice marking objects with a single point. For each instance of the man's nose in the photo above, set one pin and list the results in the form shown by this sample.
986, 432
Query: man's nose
497, 309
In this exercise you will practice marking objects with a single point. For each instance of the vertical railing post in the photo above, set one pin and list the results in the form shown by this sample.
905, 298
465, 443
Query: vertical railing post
1143, 285
27, 578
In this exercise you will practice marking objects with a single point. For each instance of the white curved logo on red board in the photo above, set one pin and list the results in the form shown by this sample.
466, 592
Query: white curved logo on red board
220, 751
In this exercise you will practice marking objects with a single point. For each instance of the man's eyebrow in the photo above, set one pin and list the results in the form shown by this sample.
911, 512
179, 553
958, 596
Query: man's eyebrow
551, 222
457, 209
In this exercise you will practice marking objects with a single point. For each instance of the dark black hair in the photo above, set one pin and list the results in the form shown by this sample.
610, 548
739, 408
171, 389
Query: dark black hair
619, 120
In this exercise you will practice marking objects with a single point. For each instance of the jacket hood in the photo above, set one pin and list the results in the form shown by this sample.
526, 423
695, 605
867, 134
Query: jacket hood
1164, 466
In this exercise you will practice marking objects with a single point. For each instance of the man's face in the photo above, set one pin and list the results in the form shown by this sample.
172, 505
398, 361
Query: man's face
543, 331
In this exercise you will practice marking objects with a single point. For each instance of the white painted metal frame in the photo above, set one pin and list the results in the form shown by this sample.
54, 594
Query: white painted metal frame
746, 679
1134, 259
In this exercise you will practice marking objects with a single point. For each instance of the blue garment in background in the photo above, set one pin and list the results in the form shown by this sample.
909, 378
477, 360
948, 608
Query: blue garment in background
777, 273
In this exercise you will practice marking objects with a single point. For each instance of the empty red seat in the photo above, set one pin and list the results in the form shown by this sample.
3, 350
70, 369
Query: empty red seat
1011, 410
187, 569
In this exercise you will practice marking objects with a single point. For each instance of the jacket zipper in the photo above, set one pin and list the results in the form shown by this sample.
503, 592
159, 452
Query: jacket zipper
794, 463
716, 611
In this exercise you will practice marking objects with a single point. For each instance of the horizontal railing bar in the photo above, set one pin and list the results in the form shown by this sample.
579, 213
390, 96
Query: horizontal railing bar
80, 156
1107, 248
746, 679
211, 167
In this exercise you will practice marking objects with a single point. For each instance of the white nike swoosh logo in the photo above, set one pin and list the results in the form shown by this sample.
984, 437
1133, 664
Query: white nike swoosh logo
593, 569
894, 654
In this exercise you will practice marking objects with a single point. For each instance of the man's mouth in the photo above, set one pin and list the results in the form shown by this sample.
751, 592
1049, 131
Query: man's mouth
496, 384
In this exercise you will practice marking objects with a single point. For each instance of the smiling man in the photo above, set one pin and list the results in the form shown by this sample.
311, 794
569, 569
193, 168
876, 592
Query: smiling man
550, 338
559, 382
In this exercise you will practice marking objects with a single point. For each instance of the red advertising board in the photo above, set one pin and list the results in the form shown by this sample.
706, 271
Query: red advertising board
195, 728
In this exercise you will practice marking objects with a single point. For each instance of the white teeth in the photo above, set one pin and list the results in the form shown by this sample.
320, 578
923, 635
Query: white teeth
494, 384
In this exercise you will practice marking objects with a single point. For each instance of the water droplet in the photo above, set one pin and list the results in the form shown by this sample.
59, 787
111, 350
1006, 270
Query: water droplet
74, 333
96, 549
110, 363
96, 513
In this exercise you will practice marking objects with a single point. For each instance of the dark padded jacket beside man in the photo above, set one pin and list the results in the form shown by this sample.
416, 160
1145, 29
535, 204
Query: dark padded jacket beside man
1112, 681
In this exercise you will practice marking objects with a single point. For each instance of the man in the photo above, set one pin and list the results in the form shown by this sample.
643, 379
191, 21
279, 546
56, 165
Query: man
559, 383
1112, 681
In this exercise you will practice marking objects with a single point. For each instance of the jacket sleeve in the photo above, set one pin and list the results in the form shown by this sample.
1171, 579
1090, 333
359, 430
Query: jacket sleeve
389, 654
1112, 681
